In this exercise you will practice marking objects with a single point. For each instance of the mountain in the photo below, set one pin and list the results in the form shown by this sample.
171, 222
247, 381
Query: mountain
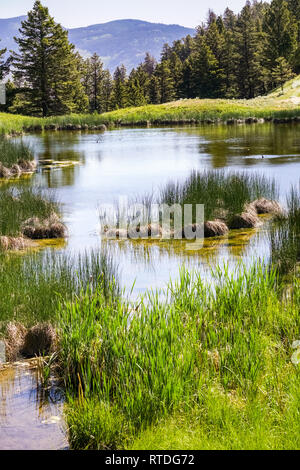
117, 42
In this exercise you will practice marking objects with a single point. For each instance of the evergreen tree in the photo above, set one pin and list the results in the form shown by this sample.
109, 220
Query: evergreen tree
166, 82
47, 66
94, 82
138, 87
281, 32
4, 64
282, 72
107, 89
249, 53
119, 93
149, 64
154, 90
204, 69
230, 55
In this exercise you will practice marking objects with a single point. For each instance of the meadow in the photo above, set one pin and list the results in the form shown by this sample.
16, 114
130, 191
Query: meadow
279, 106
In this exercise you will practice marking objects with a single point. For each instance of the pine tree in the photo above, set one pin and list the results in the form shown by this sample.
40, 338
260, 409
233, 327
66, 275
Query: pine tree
149, 64
281, 32
282, 72
138, 87
166, 82
249, 53
230, 55
203, 68
107, 89
119, 93
47, 66
154, 90
94, 82
4, 64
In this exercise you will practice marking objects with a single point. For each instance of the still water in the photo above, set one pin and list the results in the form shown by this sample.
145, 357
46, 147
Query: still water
29, 418
90, 170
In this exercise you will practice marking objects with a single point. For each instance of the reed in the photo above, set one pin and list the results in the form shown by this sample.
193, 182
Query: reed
223, 194
197, 352
32, 286
20, 204
285, 235
12, 153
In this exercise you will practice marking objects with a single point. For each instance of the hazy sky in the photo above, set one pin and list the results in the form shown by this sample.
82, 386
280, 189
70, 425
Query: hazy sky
73, 13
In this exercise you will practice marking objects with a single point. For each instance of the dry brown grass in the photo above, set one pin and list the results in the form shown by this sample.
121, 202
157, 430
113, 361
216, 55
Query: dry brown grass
50, 228
41, 340
14, 243
215, 228
266, 206
14, 340
22, 167
248, 219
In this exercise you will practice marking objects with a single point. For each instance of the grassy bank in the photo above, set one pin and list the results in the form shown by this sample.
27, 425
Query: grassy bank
220, 357
276, 106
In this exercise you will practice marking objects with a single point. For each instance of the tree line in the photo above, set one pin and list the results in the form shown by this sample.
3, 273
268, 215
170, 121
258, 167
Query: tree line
231, 56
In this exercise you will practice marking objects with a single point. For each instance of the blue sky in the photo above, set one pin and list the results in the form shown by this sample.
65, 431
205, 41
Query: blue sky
73, 13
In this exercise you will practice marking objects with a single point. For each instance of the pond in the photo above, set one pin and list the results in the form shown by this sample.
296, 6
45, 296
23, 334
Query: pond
30, 419
95, 169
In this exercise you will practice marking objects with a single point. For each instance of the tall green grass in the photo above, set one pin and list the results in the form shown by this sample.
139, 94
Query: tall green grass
13, 152
200, 350
285, 235
223, 194
20, 204
32, 286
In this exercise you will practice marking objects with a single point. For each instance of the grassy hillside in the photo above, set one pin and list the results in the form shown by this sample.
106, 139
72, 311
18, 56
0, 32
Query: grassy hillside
277, 105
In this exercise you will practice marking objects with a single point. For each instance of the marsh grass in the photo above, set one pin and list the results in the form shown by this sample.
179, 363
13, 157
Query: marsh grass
285, 235
199, 352
32, 286
223, 194
20, 204
14, 152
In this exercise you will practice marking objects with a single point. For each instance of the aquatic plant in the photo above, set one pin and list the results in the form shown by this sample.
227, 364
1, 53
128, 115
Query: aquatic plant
285, 235
18, 205
224, 195
196, 346
32, 286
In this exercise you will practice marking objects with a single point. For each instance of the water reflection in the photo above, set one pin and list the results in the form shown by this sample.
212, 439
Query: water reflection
29, 419
131, 162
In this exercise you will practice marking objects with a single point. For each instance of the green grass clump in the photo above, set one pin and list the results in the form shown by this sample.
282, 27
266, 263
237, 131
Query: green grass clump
285, 235
32, 286
223, 194
12, 152
20, 204
221, 355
